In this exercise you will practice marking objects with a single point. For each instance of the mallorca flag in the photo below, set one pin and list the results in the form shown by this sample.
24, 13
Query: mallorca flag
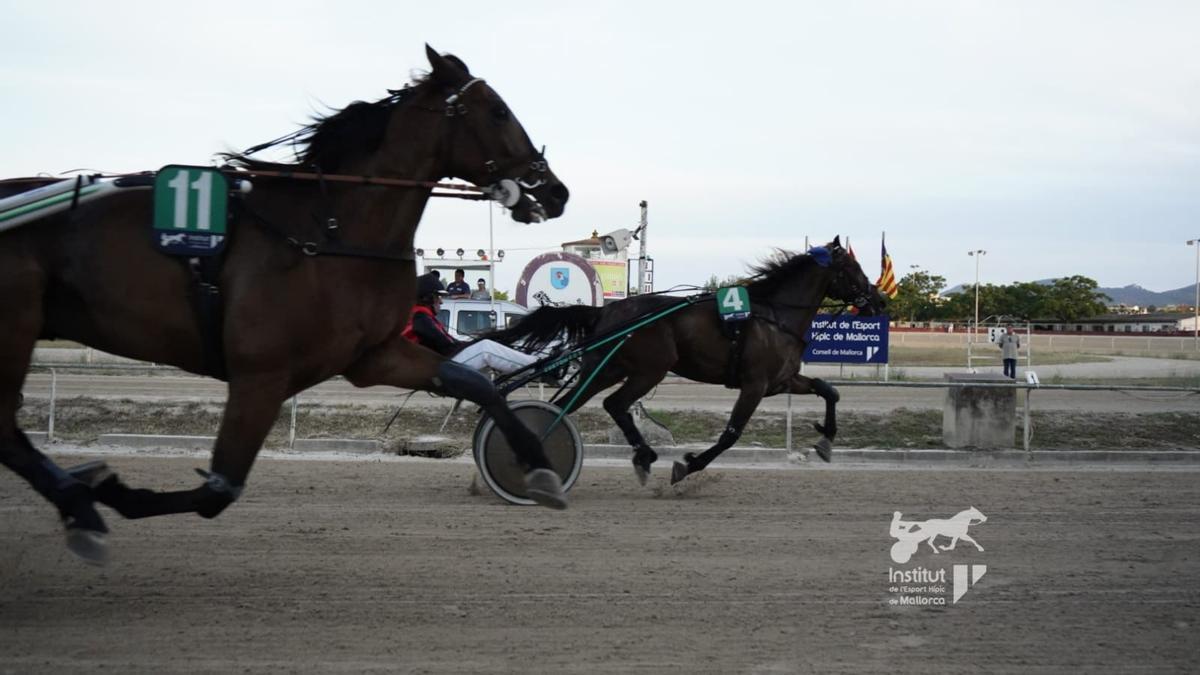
887, 278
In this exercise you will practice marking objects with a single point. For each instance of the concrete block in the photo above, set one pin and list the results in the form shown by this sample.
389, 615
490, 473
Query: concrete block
979, 417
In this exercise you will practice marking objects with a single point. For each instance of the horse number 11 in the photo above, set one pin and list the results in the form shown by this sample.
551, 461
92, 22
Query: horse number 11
203, 188
190, 199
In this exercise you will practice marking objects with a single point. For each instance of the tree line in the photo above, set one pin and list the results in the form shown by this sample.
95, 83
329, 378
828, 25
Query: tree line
1066, 299
919, 299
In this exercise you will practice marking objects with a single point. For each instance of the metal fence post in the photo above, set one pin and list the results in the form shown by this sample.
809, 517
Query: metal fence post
1028, 345
1026, 431
787, 442
292, 426
53, 395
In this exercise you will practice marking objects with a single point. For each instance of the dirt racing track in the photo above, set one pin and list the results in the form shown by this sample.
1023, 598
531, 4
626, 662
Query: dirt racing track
397, 566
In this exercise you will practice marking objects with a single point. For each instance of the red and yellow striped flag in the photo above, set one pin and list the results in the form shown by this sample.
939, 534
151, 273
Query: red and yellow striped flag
887, 278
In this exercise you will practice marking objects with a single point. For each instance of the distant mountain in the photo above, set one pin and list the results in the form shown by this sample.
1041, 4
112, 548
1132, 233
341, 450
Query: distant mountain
1132, 294
1143, 297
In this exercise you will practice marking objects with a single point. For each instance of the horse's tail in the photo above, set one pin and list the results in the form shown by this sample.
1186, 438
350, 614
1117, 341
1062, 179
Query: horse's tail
546, 324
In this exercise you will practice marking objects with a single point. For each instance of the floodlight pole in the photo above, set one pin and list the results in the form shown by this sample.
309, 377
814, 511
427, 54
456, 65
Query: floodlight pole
642, 250
977, 253
492, 268
1196, 306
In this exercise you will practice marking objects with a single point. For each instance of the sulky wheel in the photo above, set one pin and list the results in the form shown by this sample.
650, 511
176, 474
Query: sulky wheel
498, 465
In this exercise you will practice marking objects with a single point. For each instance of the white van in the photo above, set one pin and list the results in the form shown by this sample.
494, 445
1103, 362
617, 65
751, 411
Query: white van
465, 319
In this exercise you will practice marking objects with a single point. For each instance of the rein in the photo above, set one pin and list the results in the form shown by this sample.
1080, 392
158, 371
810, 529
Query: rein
461, 191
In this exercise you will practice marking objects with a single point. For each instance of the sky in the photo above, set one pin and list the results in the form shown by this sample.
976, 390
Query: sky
1060, 137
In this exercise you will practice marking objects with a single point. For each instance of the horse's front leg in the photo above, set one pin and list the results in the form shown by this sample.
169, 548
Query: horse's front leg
747, 402
250, 411
400, 363
968, 538
800, 384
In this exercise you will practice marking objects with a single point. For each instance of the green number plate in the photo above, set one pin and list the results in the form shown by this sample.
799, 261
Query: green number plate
733, 303
192, 199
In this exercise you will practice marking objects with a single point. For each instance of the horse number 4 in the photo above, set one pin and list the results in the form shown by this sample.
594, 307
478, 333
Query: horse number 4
732, 300
203, 188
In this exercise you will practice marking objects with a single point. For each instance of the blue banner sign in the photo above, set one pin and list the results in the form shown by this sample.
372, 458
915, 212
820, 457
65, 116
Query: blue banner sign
846, 338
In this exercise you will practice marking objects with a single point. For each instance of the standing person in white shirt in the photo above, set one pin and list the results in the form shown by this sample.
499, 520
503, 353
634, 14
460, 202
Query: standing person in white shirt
1009, 344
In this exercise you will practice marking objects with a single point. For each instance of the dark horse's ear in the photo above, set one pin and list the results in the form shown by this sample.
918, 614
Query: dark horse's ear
449, 70
837, 241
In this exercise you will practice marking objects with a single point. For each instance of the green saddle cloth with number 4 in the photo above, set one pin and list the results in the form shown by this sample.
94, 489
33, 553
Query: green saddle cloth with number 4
733, 303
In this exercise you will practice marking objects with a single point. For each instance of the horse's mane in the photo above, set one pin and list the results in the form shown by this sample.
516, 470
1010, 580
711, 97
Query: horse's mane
776, 270
330, 139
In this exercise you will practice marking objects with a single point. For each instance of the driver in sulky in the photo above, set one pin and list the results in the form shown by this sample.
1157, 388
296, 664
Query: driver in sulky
425, 329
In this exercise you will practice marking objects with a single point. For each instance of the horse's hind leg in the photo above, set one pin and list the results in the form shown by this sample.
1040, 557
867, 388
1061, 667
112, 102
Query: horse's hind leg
618, 404
743, 410
804, 385
85, 529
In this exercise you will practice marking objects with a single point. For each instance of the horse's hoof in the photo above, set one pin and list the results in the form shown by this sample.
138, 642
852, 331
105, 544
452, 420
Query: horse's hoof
91, 474
824, 448
545, 487
642, 473
84, 527
89, 545
679, 471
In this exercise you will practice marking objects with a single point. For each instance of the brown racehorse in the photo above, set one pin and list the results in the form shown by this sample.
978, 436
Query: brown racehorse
300, 302
762, 359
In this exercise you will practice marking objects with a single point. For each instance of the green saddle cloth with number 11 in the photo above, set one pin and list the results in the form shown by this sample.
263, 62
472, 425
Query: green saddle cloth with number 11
191, 210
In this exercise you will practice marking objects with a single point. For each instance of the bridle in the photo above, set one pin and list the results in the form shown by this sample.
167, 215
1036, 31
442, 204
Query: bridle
841, 280
504, 188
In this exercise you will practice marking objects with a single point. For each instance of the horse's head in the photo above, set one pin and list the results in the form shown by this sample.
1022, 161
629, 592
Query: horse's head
974, 516
850, 284
485, 144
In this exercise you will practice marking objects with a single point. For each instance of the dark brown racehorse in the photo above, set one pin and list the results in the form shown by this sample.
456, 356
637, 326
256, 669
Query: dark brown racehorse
761, 358
301, 301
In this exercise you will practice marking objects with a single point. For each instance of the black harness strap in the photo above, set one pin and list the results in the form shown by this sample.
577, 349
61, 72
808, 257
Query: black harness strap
737, 346
206, 296
328, 248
